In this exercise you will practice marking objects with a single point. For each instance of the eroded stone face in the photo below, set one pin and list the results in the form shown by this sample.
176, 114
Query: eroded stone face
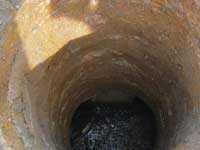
55, 52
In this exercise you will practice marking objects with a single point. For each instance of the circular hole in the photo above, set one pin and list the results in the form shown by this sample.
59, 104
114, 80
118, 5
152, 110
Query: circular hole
128, 125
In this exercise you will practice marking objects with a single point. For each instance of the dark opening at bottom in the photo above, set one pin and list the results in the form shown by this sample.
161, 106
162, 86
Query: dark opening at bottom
101, 126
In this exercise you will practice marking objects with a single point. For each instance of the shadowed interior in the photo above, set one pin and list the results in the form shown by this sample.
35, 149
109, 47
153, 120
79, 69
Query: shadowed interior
118, 124
123, 63
109, 63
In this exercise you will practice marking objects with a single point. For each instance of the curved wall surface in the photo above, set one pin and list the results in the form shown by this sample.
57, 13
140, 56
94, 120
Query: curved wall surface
56, 54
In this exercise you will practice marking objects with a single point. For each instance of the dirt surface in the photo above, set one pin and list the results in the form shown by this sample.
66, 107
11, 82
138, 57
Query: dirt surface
6, 9
152, 46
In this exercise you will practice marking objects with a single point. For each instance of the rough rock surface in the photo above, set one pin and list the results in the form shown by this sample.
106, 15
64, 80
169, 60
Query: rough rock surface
55, 53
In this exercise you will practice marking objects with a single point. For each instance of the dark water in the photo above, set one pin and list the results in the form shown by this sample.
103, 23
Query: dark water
98, 126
